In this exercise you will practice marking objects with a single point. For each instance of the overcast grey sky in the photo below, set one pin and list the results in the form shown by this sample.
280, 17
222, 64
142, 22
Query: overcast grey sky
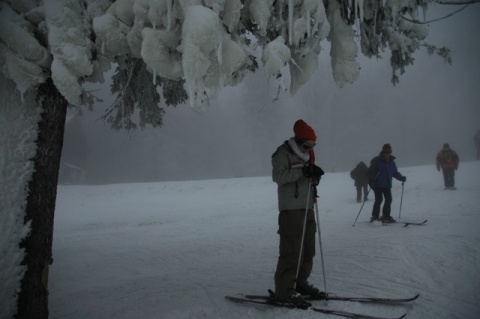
433, 104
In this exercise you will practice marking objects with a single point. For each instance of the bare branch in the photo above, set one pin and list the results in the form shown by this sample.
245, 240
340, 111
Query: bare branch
438, 19
457, 2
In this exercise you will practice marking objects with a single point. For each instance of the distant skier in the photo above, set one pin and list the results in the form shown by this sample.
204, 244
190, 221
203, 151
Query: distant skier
296, 175
382, 169
447, 159
360, 175
476, 140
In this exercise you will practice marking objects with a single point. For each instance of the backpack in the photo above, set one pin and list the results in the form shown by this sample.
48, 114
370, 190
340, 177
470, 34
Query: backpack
447, 156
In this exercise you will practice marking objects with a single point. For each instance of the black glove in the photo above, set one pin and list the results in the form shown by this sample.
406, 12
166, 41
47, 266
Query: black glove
371, 183
312, 170
404, 179
317, 172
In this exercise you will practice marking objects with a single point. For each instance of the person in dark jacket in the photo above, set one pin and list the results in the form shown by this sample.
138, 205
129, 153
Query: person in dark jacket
296, 175
447, 160
382, 169
360, 175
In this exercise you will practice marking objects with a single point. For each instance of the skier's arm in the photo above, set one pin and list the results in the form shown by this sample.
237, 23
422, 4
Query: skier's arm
372, 173
437, 161
397, 174
282, 172
456, 159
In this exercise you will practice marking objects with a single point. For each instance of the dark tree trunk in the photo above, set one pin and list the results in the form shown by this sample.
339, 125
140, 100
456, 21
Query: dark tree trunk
33, 297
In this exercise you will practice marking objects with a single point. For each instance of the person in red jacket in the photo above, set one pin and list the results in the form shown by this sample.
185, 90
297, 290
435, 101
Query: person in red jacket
447, 159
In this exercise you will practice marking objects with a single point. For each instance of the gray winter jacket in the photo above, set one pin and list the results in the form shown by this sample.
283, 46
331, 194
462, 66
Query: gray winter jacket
292, 185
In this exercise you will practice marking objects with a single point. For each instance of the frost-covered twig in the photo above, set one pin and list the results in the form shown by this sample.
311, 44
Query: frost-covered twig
434, 20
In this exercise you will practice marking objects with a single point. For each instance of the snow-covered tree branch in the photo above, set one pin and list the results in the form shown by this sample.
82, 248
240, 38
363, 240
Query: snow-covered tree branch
207, 44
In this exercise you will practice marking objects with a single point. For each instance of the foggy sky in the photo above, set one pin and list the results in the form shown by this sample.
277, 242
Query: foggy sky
434, 103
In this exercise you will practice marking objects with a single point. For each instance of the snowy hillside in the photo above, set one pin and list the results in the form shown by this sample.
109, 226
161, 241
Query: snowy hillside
174, 249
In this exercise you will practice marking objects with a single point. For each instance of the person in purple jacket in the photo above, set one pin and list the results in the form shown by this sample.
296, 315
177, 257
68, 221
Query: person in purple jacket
382, 169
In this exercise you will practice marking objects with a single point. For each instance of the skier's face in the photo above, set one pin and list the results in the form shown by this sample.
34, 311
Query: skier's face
306, 146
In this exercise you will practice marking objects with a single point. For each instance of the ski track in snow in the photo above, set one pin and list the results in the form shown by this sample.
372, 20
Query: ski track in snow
175, 249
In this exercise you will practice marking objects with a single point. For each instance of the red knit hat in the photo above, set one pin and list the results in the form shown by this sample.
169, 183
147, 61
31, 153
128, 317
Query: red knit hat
303, 131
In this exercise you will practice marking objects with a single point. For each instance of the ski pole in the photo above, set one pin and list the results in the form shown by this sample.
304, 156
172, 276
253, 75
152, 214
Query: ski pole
303, 237
401, 200
361, 207
321, 249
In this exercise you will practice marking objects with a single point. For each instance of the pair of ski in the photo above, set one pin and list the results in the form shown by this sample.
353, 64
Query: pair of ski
406, 224
264, 300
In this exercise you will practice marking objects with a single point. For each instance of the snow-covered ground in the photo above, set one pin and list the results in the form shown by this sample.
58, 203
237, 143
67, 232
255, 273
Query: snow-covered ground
174, 249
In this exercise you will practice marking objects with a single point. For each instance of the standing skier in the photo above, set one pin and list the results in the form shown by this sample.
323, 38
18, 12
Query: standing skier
447, 159
382, 169
360, 175
296, 175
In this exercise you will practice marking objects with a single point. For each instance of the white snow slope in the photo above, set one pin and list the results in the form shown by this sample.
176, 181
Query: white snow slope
175, 249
